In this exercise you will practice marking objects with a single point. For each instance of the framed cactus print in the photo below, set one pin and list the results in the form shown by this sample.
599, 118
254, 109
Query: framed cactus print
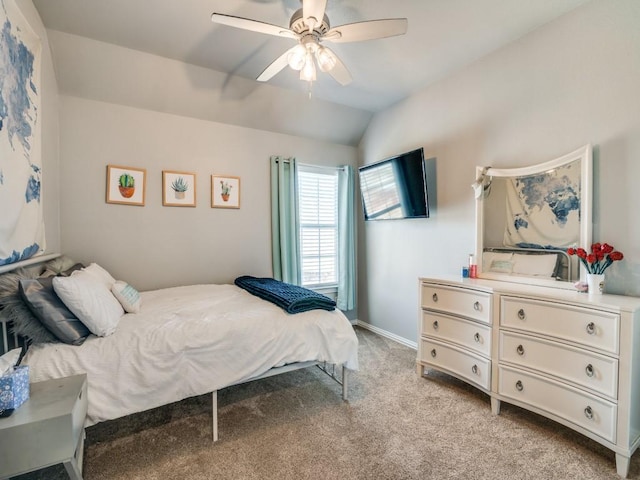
178, 189
126, 185
225, 191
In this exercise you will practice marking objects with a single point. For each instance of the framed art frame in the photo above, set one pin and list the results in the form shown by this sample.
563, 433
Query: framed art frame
126, 185
225, 191
178, 189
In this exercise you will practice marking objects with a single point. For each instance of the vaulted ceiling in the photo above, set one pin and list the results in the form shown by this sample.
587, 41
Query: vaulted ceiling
443, 36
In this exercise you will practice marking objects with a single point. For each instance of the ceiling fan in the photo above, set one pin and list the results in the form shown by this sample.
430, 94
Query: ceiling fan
310, 27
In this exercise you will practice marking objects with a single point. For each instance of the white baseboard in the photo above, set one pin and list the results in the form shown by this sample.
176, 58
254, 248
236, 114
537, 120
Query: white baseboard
385, 334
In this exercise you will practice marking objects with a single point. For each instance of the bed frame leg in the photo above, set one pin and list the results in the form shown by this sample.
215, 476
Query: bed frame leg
344, 383
214, 402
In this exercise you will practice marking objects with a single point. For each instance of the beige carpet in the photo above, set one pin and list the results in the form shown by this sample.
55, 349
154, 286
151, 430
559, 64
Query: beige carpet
296, 426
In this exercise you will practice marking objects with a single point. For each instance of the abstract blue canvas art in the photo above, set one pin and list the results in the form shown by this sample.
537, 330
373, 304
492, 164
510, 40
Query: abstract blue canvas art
21, 217
543, 211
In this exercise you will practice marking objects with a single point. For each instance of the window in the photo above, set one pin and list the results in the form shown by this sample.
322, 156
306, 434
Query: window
318, 213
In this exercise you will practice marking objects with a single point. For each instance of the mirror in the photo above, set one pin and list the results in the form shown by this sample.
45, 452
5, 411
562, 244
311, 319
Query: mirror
527, 217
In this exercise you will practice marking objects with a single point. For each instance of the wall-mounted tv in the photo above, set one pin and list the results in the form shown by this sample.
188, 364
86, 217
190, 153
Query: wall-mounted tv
395, 188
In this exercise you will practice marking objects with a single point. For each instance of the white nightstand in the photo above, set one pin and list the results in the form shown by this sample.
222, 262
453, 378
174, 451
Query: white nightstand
47, 429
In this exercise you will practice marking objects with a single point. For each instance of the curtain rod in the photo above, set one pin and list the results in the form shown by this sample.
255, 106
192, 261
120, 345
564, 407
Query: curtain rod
286, 160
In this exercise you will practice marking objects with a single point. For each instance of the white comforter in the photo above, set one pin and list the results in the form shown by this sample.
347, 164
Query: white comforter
189, 341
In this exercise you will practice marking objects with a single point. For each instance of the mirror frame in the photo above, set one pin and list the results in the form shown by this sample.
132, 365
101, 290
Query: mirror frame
585, 156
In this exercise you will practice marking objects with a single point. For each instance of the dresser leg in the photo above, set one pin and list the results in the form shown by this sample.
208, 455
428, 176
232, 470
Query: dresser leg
495, 406
420, 369
622, 465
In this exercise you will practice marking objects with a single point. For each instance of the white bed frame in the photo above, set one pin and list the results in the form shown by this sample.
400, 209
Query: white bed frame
277, 371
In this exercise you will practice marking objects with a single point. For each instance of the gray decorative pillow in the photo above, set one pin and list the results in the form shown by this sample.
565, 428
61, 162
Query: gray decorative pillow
60, 266
43, 302
13, 308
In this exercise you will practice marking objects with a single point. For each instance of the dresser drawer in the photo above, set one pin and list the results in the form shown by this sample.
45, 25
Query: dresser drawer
587, 327
464, 302
457, 361
473, 335
574, 405
595, 372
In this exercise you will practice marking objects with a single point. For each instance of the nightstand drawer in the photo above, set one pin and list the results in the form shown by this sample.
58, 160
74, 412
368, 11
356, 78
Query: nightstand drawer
583, 326
572, 404
582, 367
473, 335
457, 361
464, 302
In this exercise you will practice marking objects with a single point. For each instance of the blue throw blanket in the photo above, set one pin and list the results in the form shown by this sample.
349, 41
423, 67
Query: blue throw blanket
292, 298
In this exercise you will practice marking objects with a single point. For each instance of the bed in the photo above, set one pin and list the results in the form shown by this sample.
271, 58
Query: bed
191, 340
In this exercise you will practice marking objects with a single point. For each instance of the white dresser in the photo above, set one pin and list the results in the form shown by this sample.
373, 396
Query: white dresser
566, 355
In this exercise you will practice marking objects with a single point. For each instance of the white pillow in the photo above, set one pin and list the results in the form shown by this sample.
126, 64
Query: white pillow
497, 262
128, 296
501, 266
90, 300
101, 274
539, 265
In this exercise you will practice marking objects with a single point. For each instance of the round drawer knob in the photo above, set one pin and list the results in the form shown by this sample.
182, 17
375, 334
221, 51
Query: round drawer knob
589, 370
433, 353
435, 297
519, 386
520, 350
591, 328
521, 314
435, 324
477, 307
476, 337
588, 412
474, 369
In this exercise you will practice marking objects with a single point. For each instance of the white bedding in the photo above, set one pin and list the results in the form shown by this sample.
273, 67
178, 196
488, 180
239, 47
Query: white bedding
191, 340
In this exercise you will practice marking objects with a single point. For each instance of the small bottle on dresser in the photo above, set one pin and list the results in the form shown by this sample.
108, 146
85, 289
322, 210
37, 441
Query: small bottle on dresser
473, 268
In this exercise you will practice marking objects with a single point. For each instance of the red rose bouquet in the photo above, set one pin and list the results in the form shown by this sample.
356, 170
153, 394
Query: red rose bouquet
600, 258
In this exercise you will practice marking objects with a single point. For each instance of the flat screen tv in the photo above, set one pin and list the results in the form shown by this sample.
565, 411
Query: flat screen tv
395, 188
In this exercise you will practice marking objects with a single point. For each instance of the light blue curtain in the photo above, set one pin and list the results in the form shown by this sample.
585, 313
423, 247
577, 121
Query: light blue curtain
346, 299
285, 243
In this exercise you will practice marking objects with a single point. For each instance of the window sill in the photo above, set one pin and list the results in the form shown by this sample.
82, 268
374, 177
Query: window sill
330, 291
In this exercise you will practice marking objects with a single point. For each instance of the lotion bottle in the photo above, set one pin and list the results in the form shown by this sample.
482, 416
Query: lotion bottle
473, 268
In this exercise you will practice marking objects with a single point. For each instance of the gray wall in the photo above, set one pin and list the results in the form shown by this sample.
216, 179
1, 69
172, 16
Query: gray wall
572, 82
156, 246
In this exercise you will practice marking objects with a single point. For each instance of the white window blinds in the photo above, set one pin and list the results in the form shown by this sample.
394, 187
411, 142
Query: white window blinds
318, 211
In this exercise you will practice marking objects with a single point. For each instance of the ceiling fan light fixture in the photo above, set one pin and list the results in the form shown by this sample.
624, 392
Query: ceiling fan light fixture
308, 72
326, 59
297, 57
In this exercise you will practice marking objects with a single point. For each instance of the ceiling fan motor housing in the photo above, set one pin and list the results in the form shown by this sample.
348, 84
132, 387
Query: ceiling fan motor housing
298, 25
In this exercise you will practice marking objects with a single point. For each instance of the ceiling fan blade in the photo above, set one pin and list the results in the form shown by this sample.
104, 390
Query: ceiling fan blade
275, 67
313, 12
340, 73
253, 25
357, 32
